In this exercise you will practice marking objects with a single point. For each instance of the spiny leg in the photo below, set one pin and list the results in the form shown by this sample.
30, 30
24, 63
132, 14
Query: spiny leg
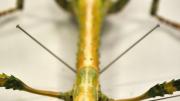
154, 9
157, 90
19, 6
11, 82
117, 6
65, 4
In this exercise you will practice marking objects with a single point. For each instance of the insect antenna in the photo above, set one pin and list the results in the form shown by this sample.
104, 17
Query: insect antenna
49, 51
164, 98
128, 49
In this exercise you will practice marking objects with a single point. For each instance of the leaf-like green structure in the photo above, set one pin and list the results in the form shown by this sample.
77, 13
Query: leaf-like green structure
10, 82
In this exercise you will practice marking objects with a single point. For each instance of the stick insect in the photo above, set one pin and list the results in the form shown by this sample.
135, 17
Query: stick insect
90, 15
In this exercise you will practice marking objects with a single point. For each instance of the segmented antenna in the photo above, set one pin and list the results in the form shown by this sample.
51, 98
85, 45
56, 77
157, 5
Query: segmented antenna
49, 51
127, 50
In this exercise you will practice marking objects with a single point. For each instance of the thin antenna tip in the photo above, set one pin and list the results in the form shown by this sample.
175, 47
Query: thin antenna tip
17, 26
158, 25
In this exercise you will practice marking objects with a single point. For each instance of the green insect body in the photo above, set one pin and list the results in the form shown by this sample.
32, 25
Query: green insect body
90, 15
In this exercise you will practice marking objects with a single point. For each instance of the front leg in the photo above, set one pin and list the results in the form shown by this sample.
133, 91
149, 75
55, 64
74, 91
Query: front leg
19, 6
157, 90
11, 82
154, 9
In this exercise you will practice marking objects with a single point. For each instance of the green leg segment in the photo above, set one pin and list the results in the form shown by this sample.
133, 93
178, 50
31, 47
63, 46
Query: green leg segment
154, 9
11, 82
19, 6
157, 90
164, 88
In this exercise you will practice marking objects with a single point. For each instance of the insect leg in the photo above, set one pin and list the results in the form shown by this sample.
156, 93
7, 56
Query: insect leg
117, 6
154, 9
19, 6
65, 4
11, 82
157, 90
